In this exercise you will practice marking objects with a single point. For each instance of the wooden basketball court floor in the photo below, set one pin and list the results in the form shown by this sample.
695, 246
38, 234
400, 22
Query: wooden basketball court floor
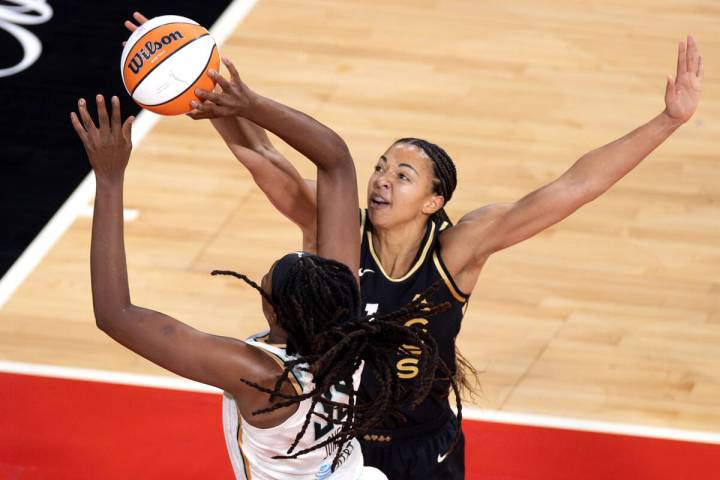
612, 315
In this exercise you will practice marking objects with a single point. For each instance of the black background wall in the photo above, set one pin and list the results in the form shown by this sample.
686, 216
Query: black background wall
41, 160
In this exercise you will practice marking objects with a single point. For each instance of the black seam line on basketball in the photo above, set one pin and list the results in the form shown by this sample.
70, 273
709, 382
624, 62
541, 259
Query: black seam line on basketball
161, 61
152, 30
193, 82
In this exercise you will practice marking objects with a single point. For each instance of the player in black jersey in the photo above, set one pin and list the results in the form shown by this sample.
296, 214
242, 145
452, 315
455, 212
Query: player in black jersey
408, 245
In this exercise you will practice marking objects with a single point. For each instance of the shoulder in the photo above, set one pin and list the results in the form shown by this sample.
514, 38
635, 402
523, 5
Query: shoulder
472, 226
466, 246
488, 213
266, 370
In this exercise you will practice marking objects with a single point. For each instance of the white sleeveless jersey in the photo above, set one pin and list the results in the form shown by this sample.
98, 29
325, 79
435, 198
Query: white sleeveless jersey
251, 449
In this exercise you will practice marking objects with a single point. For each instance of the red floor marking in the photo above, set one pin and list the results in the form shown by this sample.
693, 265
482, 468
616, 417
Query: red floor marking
68, 429
516, 452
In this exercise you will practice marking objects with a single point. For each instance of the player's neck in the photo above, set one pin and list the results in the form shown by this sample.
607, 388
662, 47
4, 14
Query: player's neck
397, 247
277, 336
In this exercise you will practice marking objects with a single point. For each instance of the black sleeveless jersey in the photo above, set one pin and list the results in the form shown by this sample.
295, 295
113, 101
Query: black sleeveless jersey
382, 294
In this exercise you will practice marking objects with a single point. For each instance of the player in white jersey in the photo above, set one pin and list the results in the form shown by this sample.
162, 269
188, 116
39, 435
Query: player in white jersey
252, 449
312, 305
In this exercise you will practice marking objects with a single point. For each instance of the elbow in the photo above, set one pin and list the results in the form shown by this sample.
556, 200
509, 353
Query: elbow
340, 153
102, 322
103, 319
107, 319
593, 191
585, 191
265, 150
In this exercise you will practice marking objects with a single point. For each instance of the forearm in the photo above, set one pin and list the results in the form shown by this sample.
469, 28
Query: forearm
108, 268
273, 174
318, 143
251, 147
601, 168
240, 131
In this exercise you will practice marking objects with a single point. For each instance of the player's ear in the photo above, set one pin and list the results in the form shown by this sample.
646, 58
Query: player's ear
434, 204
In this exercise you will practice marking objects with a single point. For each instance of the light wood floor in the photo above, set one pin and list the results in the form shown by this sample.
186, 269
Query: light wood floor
613, 315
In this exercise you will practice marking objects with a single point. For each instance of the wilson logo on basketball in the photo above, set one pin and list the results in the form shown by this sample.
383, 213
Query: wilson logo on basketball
165, 60
151, 48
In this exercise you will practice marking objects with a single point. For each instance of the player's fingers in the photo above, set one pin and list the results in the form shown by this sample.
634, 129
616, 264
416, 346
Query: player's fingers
127, 128
669, 87
115, 124
130, 25
85, 116
201, 107
205, 95
139, 17
692, 54
224, 84
682, 60
102, 111
78, 127
201, 111
195, 115
234, 75
701, 68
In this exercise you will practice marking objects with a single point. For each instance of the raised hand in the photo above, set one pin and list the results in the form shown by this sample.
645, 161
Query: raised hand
232, 99
140, 18
683, 94
108, 145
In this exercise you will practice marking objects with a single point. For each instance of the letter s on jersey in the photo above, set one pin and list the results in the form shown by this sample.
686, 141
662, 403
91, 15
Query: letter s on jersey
407, 367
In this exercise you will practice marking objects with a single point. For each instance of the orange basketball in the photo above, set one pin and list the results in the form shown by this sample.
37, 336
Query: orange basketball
165, 60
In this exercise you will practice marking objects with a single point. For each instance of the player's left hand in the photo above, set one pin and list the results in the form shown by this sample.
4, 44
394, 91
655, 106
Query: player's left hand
232, 99
107, 145
683, 94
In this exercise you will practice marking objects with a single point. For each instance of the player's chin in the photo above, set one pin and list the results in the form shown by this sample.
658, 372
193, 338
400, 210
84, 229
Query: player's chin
381, 215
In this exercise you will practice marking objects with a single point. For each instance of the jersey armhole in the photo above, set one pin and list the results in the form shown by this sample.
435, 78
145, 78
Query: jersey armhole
294, 381
458, 294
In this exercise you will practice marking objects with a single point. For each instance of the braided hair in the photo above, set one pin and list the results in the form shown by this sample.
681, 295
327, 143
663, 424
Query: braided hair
318, 305
445, 174
444, 183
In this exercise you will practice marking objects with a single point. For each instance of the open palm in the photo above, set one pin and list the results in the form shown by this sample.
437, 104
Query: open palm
683, 94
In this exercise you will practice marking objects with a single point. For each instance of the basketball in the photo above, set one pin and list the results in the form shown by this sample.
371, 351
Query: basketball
165, 60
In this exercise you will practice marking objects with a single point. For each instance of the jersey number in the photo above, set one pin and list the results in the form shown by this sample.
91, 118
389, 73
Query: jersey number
334, 413
407, 367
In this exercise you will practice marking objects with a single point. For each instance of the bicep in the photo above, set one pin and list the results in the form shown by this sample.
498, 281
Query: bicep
498, 226
182, 349
536, 212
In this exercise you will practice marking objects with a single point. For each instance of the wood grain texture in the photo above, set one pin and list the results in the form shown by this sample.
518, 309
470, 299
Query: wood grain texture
613, 315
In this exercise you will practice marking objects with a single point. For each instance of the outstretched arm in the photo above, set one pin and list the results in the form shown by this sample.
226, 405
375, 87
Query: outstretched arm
499, 226
337, 197
293, 196
210, 359
282, 184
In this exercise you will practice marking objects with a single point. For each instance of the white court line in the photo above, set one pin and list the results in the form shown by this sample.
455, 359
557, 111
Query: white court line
567, 423
80, 198
134, 379
513, 418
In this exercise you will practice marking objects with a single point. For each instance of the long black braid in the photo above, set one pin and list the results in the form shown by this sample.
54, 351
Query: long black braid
444, 183
319, 307
445, 179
